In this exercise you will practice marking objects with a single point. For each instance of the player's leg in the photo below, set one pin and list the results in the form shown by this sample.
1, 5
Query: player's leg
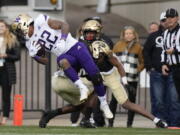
64, 88
98, 117
87, 111
113, 107
112, 81
74, 117
138, 109
85, 59
67, 90
47, 116
69, 65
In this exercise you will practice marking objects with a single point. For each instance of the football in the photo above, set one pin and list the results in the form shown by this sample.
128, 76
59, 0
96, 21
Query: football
41, 52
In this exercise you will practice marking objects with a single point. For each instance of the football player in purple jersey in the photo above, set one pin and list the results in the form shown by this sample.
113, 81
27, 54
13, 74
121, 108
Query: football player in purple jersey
53, 36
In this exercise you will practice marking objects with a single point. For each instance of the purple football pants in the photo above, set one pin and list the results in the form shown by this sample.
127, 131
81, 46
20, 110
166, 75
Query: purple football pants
79, 57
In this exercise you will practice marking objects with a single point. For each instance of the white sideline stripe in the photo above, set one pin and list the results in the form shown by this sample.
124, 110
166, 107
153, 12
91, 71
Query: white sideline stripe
39, 134
35, 134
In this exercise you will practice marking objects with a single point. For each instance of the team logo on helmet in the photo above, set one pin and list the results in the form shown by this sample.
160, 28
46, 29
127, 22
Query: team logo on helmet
98, 47
92, 25
21, 24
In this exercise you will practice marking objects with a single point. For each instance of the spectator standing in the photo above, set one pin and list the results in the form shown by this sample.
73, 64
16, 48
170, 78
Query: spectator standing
171, 52
153, 27
129, 52
9, 53
162, 89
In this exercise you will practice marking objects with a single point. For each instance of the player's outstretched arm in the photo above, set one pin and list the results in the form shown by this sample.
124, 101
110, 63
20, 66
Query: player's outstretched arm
114, 61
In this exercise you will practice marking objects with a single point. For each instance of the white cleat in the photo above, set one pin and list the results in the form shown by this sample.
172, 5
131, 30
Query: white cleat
107, 112
84, 92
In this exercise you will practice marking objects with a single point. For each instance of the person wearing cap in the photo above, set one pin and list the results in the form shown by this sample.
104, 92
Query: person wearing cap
162, 88
171, 59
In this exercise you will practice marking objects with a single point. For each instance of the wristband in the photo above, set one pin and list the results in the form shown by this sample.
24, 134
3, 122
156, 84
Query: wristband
64, 36
37, 57
124, 80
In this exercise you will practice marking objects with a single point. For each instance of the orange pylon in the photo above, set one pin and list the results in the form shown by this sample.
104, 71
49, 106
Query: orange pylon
18, 110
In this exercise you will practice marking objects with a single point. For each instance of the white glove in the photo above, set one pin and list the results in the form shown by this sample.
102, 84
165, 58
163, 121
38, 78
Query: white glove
59, 73
124, 80
34, 48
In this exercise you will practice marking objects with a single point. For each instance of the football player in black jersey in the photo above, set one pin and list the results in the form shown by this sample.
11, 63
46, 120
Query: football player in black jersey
111, 68
112, 72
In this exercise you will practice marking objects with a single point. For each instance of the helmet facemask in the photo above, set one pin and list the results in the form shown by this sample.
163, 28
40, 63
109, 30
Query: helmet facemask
98, 48
90, 36
21, 25
91, 30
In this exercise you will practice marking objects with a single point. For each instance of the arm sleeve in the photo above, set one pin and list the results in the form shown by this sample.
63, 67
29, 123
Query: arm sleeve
163, 57
177, 47
163, 54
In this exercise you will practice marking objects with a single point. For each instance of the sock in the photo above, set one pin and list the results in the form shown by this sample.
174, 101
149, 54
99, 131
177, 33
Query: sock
87, 113
71, 74
54, 113
81, 86
100, 90
156, 120
102, 100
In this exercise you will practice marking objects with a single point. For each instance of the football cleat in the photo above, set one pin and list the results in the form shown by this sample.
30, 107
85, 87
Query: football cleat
74, 125
161, 124
44, 119
86, 124
106, 110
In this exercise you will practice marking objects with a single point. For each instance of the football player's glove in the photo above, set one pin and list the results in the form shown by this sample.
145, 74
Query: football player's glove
33, 49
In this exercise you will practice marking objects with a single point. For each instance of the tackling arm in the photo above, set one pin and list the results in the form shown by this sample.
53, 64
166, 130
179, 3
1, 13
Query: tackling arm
114, 61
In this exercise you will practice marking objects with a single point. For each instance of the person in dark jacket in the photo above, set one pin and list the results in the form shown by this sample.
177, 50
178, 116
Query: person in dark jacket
9, 53
163, 98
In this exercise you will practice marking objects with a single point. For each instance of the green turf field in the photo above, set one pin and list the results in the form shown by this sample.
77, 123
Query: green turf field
32, 130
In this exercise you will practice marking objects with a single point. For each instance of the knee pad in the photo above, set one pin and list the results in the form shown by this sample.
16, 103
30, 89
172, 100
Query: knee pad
96, 79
